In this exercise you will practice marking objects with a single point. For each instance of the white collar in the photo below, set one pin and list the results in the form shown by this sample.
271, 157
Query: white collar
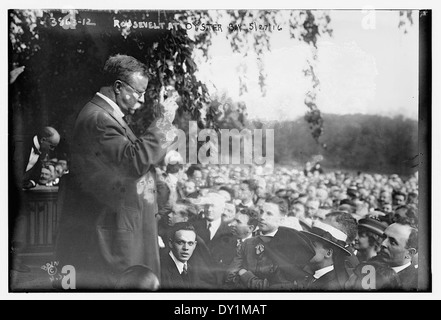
321, 272
215, 223
179, 264
248, 204
401, 268
271, 234
112, 104
172, 178
36, 143
248, 237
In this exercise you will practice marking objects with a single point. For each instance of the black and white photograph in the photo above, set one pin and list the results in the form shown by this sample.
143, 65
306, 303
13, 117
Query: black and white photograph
232, 151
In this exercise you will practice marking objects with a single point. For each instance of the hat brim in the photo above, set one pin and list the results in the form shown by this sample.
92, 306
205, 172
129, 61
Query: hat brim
317, 237
377, 231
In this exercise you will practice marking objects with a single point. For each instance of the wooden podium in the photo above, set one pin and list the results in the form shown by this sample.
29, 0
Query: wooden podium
42, 220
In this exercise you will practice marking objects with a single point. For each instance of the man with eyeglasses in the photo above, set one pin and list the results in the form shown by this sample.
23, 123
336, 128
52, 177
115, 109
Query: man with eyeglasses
176, 272
108, 217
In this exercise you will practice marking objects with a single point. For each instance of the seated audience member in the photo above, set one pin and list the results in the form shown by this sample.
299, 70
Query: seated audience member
330, 253
243, 225
137, 278
311, 209
399, 246
412, 198
408, 212
48, 176
385, 197
273, 260
194, 173
246, 194
399, 198
216, 233
177, 272
229, 212
190, 190
348, 225
370, 236
202, 261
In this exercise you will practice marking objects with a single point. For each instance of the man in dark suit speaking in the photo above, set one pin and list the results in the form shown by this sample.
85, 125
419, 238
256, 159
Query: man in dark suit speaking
107, 222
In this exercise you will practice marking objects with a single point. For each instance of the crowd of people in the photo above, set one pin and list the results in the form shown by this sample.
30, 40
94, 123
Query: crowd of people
134, 216
239, 221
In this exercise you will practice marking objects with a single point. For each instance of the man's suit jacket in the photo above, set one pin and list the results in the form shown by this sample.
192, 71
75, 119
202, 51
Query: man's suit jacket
409, 278
327, 282
271, 262
222, 246
107, 222
171, 278
22, 147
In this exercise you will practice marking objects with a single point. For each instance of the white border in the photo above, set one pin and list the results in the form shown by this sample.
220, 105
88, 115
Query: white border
227, 4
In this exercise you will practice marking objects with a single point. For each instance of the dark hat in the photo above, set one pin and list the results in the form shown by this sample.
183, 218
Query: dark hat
328, 234
373, 225
291, 251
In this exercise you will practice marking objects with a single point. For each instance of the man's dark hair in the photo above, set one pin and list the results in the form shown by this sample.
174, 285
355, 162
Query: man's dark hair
411, 213
252, 216
192, 169
174, 168
399, 193
348, 224
281, 203
250, 183
181, 226
188, 208
122, 67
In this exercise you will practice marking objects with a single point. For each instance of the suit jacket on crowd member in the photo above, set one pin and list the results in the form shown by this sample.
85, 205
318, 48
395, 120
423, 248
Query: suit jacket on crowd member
328, 282
222, 246
409, 278
201, 260
172, 279
107, 222
271, 262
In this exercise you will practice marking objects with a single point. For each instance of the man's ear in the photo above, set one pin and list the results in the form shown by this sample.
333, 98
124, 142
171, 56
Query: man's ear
411, 252
117, 87
170, 243
329, 253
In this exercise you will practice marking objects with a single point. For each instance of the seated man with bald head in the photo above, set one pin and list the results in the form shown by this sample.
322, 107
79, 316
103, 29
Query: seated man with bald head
398, 248
30, 154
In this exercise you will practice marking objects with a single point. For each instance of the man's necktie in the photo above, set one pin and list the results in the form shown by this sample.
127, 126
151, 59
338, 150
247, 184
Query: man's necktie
209, 230
184, 274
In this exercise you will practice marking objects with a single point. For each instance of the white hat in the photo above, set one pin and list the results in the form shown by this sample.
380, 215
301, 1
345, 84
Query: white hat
173, 157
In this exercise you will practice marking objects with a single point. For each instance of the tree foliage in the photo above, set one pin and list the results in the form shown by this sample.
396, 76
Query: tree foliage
63, 56
359, 142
